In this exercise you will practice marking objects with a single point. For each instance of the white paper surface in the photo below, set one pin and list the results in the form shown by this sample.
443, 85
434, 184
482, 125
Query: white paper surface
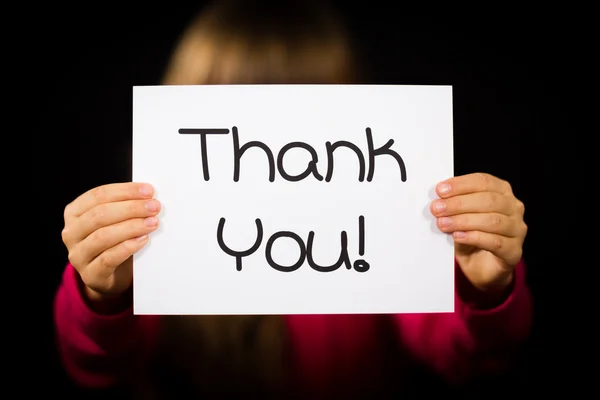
183, 269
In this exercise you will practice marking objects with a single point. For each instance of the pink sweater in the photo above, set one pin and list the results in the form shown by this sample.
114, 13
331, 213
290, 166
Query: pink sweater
456, 346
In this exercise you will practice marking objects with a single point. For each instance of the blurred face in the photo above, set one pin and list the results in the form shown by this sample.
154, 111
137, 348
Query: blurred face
209, 56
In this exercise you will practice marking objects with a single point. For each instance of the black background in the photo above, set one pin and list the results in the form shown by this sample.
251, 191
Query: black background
508, 75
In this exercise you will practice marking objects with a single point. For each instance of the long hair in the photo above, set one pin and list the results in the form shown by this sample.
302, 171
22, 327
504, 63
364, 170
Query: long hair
248, 42
264, 42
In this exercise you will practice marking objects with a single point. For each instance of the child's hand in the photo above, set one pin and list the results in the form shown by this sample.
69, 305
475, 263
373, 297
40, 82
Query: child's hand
104, 227
486, 222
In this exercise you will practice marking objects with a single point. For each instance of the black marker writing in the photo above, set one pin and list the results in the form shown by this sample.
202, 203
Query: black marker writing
306, 251
203, 146
239, 254
311, 168
385, 149
330, 149
269, 249
276, 163
361, 235
344, 258
238, 152
361, 265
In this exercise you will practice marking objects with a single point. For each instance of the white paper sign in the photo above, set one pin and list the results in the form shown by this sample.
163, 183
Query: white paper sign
294, 199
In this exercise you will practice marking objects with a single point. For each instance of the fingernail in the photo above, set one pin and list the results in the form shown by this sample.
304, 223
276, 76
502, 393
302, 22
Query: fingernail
146, 190
460, 235
439, 206
443, 188
151, 206
143, 237
151, 221
445, 221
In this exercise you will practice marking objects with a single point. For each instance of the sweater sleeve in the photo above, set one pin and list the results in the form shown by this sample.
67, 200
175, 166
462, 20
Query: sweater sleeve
98, 351
470, 342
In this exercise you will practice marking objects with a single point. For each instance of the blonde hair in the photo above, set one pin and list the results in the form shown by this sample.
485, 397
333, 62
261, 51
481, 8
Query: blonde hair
249, 42
263, 42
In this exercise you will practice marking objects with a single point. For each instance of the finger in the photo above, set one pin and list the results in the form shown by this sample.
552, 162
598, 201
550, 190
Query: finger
472, 183
107, 194
505, 248
109, 236
487, 222
111, 213
97, 274
481, 202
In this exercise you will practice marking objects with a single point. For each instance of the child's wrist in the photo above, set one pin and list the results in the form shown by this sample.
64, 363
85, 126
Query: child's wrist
106, 304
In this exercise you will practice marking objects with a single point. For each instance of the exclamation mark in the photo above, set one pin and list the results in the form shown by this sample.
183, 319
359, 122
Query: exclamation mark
361, 265
361, 235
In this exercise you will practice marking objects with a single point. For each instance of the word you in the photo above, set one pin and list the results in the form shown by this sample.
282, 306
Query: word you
306, 250
311, 168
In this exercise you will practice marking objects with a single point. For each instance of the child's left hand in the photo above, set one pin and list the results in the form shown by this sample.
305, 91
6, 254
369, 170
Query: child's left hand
486, 222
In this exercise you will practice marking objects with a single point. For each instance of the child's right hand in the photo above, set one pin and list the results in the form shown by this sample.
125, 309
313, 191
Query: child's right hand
104, 227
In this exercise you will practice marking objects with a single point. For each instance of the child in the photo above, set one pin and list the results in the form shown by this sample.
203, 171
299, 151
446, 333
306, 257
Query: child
103, 344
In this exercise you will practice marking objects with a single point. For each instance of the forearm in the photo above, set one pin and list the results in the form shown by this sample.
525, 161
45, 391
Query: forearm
98, 349
477, 339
